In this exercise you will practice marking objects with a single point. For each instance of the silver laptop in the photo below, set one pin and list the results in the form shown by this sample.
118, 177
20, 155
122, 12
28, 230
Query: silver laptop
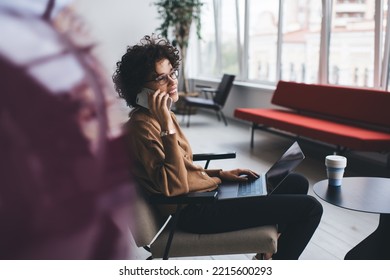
267, 183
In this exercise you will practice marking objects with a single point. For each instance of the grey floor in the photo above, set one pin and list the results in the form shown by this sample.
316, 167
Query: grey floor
339, 230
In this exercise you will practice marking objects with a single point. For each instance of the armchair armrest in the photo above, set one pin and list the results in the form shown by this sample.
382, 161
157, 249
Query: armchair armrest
206, 90
209, 89
212, 156
202, 86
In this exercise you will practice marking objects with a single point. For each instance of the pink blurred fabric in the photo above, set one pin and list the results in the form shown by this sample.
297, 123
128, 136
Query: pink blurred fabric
64, 186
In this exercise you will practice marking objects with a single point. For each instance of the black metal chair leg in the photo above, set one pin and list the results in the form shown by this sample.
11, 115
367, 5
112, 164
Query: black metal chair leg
218, 117
223, 117
172, 231
188, 116
253, 134
184, 115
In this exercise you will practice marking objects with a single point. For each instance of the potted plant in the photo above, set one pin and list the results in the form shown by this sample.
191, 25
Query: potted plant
177, 17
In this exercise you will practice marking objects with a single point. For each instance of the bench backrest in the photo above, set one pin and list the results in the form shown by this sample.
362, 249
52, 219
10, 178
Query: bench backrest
367, 106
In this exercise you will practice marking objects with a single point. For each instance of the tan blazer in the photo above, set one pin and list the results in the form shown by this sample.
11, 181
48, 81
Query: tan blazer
164, 164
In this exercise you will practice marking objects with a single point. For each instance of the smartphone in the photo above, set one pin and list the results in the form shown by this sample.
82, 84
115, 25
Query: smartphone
142, 98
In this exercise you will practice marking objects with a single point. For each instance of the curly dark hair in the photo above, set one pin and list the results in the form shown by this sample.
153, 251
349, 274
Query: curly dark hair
137, 65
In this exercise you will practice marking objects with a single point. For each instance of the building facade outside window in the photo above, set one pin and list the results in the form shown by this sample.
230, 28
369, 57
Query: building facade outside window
352, 43
206, 48
263, 37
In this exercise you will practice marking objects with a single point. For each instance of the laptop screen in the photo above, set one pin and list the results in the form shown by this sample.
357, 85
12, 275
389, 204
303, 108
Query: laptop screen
283, 167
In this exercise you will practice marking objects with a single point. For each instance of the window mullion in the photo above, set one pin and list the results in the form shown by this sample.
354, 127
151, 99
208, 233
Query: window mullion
279, 42
378, 42
217, 23
386, 56
245, 55
323, 71
238, 38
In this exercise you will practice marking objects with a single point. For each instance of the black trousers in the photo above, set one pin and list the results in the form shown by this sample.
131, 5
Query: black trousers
296, 214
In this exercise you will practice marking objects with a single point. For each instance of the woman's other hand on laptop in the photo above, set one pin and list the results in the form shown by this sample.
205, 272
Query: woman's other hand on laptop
240, 175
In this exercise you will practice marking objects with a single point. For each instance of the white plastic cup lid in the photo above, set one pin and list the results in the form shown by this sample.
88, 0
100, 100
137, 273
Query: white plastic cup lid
336, 161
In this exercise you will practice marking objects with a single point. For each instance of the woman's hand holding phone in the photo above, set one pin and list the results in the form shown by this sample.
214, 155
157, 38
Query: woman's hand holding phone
158, 107
143, 98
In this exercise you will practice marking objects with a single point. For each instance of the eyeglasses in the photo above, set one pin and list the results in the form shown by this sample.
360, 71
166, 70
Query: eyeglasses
163, 79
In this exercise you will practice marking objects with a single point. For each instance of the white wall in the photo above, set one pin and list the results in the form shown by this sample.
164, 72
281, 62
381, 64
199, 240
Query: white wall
245, 96
117, 23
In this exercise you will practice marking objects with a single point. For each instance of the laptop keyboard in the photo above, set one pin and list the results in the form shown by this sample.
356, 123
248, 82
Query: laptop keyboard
250, 187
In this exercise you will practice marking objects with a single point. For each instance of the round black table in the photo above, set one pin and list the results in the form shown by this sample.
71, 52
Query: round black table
365, 194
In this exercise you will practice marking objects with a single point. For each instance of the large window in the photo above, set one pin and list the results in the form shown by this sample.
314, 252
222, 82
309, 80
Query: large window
312, 41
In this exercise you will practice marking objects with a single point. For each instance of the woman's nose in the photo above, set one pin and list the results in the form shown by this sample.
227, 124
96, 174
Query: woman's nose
171, 80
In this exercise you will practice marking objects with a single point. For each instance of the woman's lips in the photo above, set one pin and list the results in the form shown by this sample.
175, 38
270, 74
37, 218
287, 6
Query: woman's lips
172, 91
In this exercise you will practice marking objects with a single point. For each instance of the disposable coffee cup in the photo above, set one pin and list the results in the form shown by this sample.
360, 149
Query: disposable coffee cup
335, 166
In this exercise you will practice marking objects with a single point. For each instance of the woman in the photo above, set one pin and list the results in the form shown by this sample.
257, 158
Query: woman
163, 159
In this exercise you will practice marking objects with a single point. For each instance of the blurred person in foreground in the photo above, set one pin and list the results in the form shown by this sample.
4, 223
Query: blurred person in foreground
64, 186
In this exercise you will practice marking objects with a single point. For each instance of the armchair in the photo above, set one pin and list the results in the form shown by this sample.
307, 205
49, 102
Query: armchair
216, 103
163, 240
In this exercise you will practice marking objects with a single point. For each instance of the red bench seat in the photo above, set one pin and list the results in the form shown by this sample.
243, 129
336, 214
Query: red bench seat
350, 118
344, 135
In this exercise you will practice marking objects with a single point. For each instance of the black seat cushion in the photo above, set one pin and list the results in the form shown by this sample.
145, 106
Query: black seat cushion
201, 102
